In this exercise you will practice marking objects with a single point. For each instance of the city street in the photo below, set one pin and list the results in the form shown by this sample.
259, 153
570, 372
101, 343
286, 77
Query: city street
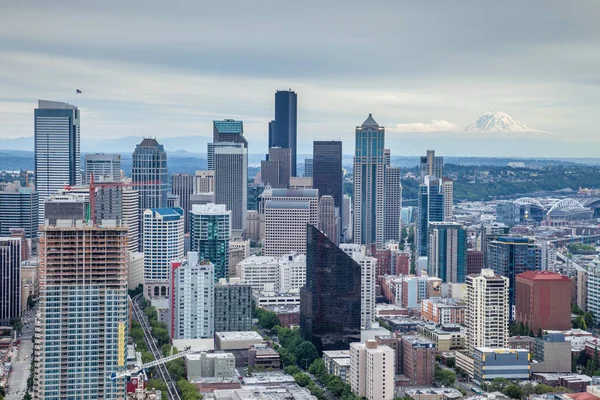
17, 382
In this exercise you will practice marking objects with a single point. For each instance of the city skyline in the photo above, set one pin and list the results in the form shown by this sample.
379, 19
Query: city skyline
444, 82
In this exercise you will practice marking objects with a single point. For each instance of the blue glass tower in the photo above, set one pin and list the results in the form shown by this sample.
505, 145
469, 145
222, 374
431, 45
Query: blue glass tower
282, 130
430, 209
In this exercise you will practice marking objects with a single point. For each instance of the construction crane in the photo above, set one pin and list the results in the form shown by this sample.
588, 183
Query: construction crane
94, 185
114, 376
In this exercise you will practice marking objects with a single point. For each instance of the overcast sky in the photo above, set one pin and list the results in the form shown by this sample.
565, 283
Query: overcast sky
425, 69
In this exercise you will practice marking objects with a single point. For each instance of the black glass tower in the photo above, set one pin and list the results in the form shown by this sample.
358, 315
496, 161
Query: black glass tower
330, 300
282, 130
328, 175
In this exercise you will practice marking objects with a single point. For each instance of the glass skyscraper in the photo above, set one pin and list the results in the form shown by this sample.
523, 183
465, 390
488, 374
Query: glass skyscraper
57, 153
10, 279
447, 255
330, 302
369, 184
210, 231
19, 209
327, 173
430, 209
283, 129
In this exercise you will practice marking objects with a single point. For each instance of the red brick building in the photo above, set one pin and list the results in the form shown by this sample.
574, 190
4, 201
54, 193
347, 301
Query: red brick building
543, 300
418, 360
402, 264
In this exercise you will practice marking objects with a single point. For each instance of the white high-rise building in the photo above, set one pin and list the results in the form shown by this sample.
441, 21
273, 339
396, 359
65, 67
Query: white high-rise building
487, 310
231, 183
369, 184
328, 218
372, 370
204, 182
162, 243
57, 152
593, 290
393, 204
286, 214
192, 304
284, 274
105, 167
130, 205
368, 268
448, 189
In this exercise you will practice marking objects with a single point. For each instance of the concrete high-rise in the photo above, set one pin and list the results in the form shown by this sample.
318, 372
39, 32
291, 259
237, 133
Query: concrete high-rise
162, 242
330, 302
10, 279
233, 307
448, 190
393, 204
83, 312
372, 370
226, 133
347, 220
286, 214
57, 152
130, 205
327, 172
276, 170
105, 167
308, 167
192, 304
487, 311
369, 184
430, 209
512, 255
447, 255
430, 165
231, 184
19, 208
182, 185
592, 287
368, 266
282, 130
149, 175
204, 181
210, 232
543, 301
328, 219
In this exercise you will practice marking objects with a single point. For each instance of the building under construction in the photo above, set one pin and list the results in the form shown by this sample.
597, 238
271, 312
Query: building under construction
83, 314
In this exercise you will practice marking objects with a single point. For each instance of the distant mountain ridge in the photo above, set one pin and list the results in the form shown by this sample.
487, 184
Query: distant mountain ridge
497, 121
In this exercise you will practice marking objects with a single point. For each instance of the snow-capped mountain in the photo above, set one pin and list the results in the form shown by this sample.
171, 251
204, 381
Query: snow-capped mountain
497, 121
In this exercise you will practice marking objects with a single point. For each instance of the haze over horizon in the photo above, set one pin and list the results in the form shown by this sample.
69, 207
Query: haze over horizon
425, 70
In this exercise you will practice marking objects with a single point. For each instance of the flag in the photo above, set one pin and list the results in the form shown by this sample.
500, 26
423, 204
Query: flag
77, 91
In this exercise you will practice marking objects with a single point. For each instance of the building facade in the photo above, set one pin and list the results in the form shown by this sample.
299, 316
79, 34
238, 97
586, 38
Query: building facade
369, 184
57, 151
418, 360
90, 292
328, 220
327, 173
276, 170
182, 185
210, 234
105, 167
447, 255
19, 208
204, 181
368, 266
448, 190
492, 363
231, 183
372, 370
233, 307
431, 165
430, 209
10, 280
487, 311
283, 129
393, 204
130, 204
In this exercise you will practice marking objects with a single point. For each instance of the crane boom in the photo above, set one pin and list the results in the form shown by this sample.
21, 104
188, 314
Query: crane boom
114, 376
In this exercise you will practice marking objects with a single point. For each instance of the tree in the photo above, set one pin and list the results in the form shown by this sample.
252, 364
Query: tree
157, 384
539, 333
317, 368
579, 323
306, 353
302, 379
445, 377
188, 390
451, 362
589, 319
576, 310
267, 319
513, 391
137, 290
292, 370
498, 385
286, 356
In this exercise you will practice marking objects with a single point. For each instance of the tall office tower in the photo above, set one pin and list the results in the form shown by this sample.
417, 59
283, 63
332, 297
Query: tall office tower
130, 204
105, 167
330, 302
254, 193
387, 156
108, 204
543, 301
173, 200
430, 209
149, 175
193, 302
347, 217
308, 167
19, 233
162, 243
369, 184
328, 220
372, 370
512, 255
448, 190
368, 267
19, 209
83, 312
393, 204
431, 165
182, 185
10, 280
593, 290
286, 214
447, 255
328, 175
282, 130
231, 184
57, 154
204, 181
486, 234
487, 310
225, 133
275, 171
210, 232
233, 307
